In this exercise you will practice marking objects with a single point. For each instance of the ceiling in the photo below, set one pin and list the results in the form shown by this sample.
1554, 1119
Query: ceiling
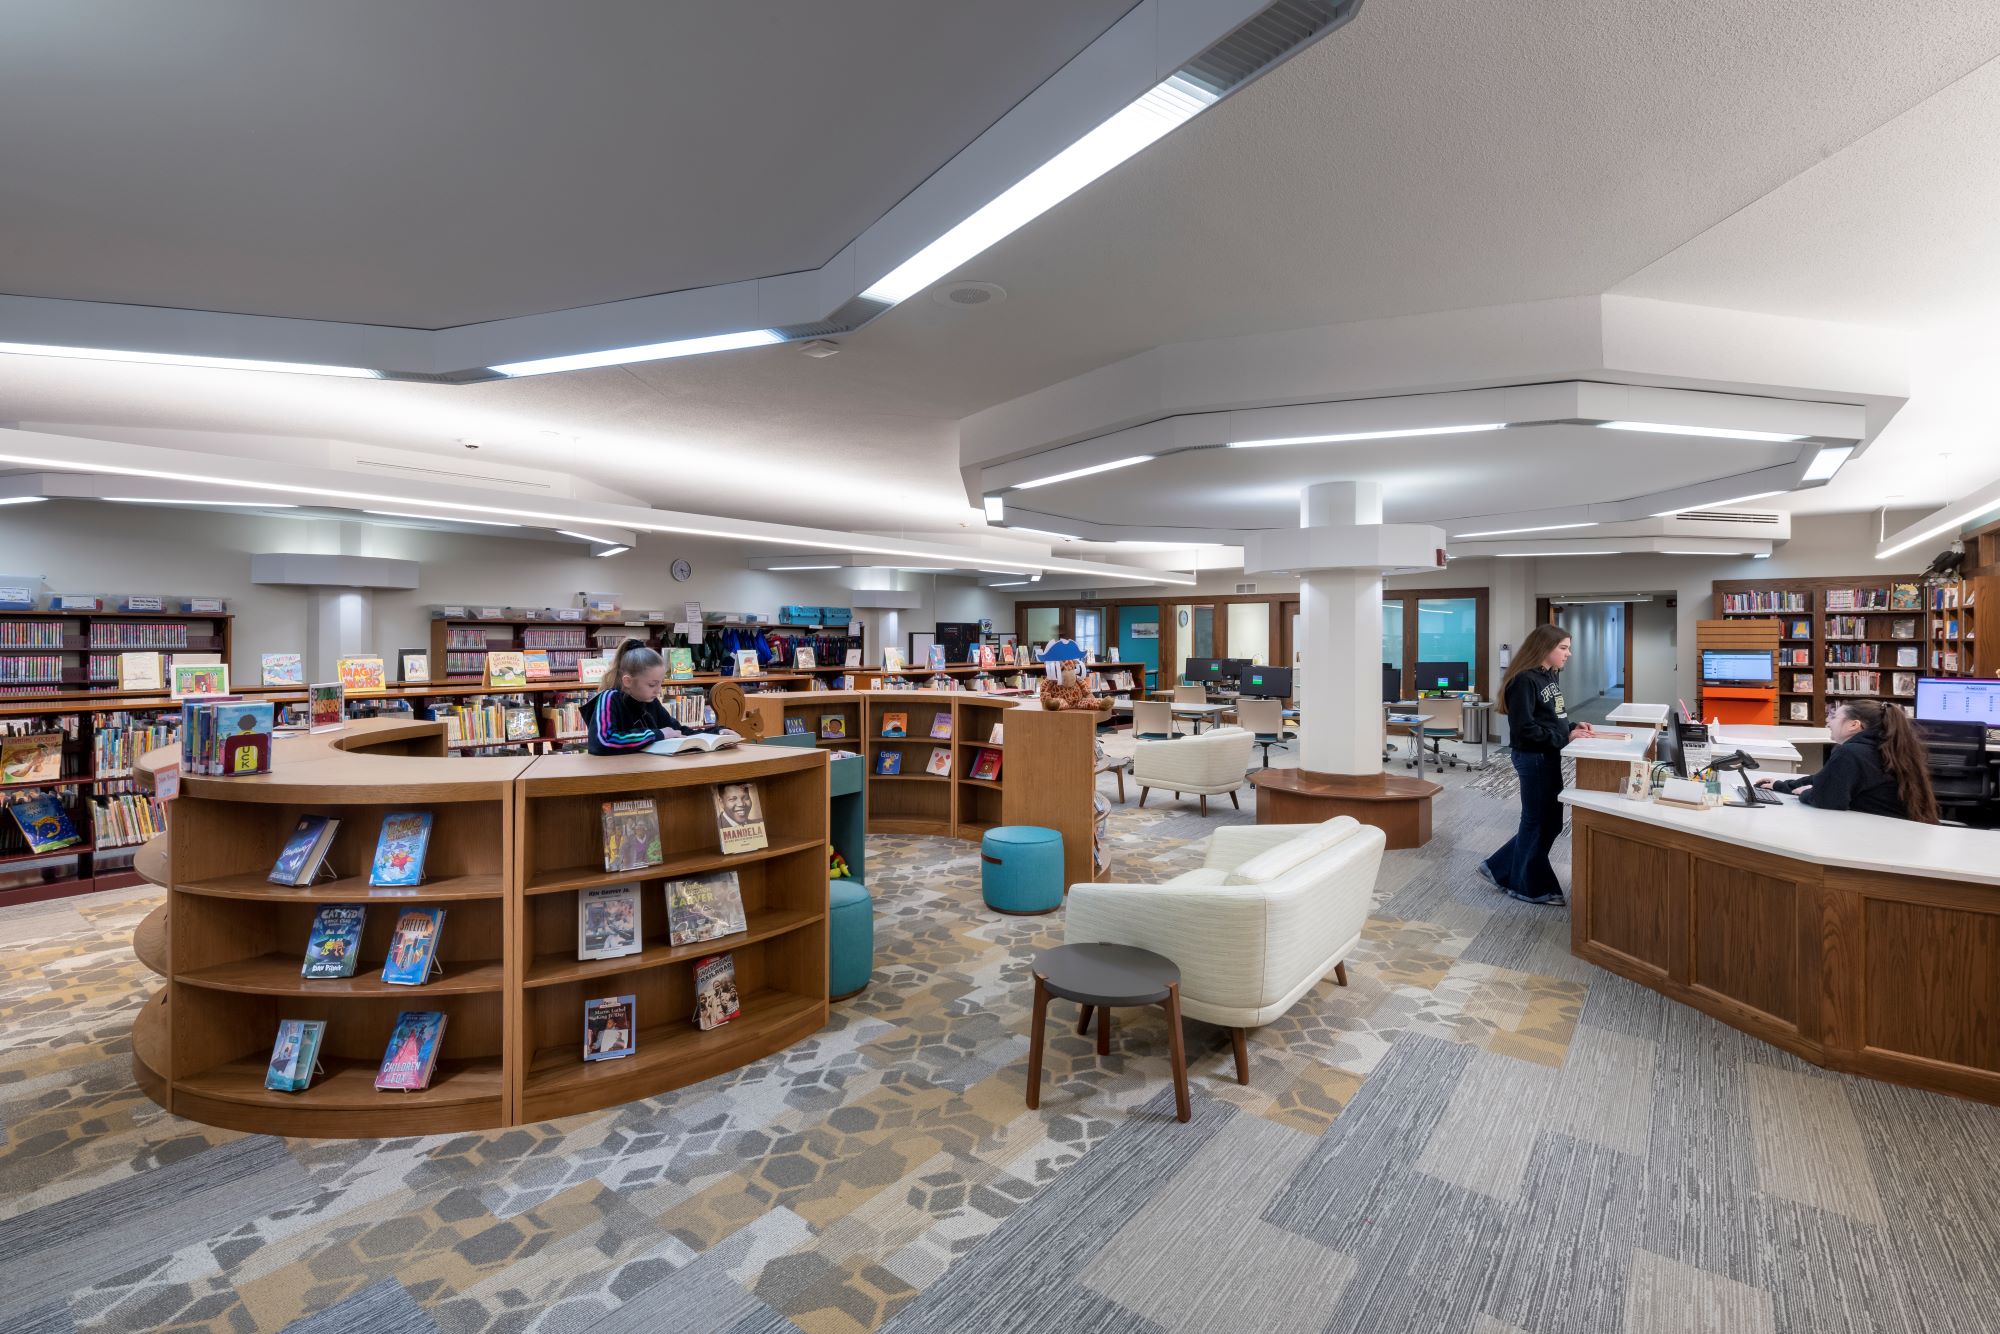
1810, 157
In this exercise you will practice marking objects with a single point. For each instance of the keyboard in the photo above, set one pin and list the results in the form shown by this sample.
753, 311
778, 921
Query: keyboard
1763, 796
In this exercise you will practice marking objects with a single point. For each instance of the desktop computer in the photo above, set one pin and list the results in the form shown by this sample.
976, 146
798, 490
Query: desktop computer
1738, 667
1392, 683
1216, 671
1267, 683
1969, 700
1447, 676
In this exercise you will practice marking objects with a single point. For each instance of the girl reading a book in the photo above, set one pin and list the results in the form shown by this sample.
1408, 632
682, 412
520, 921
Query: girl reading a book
626, 715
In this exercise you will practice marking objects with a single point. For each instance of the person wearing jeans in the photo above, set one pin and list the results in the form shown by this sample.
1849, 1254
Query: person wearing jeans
1538, 728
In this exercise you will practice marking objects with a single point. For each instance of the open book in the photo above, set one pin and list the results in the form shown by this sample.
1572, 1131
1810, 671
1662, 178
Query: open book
680, 745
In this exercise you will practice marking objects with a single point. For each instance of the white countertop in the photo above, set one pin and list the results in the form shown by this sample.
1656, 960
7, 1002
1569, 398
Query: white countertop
1723, 740
1828, 838
1743, 733
1646, 715
1611, 745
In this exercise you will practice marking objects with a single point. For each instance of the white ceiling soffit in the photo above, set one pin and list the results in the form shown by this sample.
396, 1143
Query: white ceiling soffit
1189, 53
1614, 546
1941, 526
227, 478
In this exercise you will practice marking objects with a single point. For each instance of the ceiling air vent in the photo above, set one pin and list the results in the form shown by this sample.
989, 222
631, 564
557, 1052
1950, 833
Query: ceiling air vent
1258, 46
1246, 588
1766, 517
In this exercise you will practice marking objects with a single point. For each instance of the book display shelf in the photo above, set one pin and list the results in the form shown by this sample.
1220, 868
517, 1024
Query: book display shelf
1863, 637
51, 651
512, 843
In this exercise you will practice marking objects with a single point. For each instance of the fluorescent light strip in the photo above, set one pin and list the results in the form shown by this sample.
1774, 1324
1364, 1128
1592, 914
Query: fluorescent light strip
544, 517
1152, 116
1043, 532
613, 551
1018, 574
1939, 530
439, 518
153, 500
620, 356
1715, 504
996, 508
1558, 553
1367, 435
1019, 584
1539, 528
1092, 470
1718, 432
801, 567
587, 537
1666, 551
1827, 462
175, 359
22, 500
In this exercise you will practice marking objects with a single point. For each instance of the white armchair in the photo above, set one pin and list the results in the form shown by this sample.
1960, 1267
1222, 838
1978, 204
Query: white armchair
1215, 762
1272, 910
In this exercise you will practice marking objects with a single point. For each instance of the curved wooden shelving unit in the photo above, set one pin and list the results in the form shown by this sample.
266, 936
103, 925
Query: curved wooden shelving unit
514, 841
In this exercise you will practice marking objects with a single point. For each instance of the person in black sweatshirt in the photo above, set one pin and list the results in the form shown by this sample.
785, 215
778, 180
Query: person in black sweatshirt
1878, 766
626, 715
1538, 727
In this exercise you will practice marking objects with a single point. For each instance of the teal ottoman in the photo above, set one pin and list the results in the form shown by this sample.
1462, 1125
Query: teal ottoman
850, 938
1021, 869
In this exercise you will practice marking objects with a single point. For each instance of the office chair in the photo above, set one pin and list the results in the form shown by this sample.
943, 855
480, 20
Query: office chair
1960, 775
1194, 694
1264, 718
1444, 720
1152, 720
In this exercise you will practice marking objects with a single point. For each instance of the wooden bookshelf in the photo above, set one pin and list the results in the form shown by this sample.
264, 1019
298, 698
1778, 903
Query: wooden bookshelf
513, 840
1838, 640
79, 638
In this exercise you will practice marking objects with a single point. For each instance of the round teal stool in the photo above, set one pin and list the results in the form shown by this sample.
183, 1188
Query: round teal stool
1021, 869
850, 937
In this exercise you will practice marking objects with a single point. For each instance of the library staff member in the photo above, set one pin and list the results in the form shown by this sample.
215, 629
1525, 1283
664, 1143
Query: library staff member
626, 715
1878, 765
1538, 727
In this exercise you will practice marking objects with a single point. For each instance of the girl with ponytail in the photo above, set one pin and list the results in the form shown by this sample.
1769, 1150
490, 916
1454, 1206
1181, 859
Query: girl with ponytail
626, 714
1878, 766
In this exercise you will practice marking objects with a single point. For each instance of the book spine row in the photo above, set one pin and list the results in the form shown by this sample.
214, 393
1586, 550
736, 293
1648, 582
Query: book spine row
468, 724
1846, 627
565, 720
1764, 600
31, 634
103, 667
1854, 683
122, 822
115, 749
1863, 655
34, 668
1857, 599
468, 639
564, 637
140, 634
689, 709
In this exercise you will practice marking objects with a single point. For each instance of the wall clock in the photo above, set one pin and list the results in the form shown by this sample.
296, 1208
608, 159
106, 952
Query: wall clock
1182, 619
682, 571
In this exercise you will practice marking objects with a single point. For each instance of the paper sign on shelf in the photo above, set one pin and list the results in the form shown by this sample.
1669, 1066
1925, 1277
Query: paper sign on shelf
691, 612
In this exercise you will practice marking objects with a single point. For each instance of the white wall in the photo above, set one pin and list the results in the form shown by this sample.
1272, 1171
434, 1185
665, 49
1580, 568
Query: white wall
1655, 679
1597, 642
89, 547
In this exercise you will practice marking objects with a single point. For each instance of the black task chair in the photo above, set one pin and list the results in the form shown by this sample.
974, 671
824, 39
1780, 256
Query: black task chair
1960, 775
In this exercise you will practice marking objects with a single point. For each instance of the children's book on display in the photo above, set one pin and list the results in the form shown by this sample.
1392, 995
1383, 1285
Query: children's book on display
295, 1055
412, 1055
610, 1028
413, 948
631, 834
333, 947
715, 998
704, 907
739, 817
608, 922
303, 858
400, 849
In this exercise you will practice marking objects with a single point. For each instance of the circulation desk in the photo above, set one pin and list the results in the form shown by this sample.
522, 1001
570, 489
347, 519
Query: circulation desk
1858, 942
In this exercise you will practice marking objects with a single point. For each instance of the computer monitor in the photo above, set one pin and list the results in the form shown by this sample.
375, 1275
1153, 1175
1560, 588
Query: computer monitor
1216, 670
1738, 667
1941, 700
1267, 682
1667, 747
1392, 683
1443, 676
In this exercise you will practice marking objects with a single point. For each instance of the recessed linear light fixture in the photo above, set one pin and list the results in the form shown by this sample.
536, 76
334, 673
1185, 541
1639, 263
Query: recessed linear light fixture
1083, 472
1670, 551
1827, 462
612, 550
1018, 574
996, 508
1161, 109
801, 567
1043, 532
155, 500
1558, 553
434, 518
619, 356
1019, 583
1716, 504
1539, 528
588, 537
1939, 530
22, 500
1718, 432
1367, 435
176, 359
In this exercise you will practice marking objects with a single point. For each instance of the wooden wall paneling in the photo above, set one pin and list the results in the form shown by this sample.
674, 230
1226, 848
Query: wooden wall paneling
1637, 908
1744, 947
1050, 780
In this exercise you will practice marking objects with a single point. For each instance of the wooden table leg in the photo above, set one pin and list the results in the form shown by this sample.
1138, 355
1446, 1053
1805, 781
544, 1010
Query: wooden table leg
1240, 1040
1035, 1045
1104, 1030
1173, 1004
1083, 1020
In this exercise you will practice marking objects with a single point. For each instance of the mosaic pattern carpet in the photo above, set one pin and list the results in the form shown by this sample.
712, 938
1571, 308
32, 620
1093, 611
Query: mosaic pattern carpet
1479, 1134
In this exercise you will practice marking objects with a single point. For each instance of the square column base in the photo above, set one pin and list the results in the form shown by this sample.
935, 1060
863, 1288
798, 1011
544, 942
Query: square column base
1400, 807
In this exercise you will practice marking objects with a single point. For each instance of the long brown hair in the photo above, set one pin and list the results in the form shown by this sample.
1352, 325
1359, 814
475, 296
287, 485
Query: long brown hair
632, 658
1904, 754
1534, 652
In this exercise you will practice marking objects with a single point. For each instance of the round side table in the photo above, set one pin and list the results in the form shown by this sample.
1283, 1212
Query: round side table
1098, 977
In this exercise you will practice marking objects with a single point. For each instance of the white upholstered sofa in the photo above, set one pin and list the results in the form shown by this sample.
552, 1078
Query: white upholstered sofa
1208, 765
1271, 911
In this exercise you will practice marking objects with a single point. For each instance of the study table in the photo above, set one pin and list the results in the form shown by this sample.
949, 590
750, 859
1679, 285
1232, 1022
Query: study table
1858, 942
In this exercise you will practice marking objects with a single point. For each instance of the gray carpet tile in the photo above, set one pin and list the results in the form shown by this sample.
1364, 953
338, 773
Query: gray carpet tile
1425, 1260
1831, 1275
379, 1308
1581, 1201
53, 1318
1700, 1171
1666, 1297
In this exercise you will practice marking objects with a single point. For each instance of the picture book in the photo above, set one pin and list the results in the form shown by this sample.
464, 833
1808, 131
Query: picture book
704, 907
304, 853
852, 658
1905, 597
200, 678
739, 817
895, 724
987, 657
243, 734
833, 726
715, 999
608, 922
999, 734
334, 945
140, 671
416, 666
986, 764
941, 726
361, 676
795, 727
412, 1054
703, 743
535, 663
804, 659
522, 725
746, 662
413, 948
631, 834
680, 664
399, 851
610, 1027
31, 759
893, 660
888, 761
935, 658
327, 707
590, 671
1007, 656
940, 761
282, 669
295, 1055
505, 669
44, 823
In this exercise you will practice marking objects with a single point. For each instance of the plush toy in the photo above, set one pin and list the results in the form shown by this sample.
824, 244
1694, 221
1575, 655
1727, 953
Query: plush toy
836, 867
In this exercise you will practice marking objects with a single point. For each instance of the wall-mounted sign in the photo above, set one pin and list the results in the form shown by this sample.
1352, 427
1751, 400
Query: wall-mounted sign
1143, 629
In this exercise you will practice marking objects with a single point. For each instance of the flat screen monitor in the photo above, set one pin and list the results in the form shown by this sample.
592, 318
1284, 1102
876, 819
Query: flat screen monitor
1947, 701
1392, 683
1267, 682
1216, 669
1737, 667
1443, 676
1667, 747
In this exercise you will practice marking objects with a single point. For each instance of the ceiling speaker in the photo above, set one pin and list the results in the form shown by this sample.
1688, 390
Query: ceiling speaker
969, 294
